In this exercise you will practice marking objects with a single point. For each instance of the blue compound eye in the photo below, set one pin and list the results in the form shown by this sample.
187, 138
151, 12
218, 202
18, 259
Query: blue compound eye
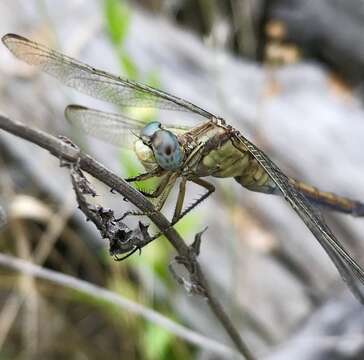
149, 130
167, 150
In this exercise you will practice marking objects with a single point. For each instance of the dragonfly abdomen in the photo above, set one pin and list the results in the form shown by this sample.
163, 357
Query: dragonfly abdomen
225, 160
330, 200
255, 178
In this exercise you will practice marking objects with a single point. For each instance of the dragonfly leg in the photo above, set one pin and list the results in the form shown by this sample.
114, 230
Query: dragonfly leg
208, 186
166, 190
179, 203
161, 193
178, 215
159, 190
145, 176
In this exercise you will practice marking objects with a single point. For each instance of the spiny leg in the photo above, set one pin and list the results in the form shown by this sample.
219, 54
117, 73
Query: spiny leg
145, 176
161, 192
148, 175
167, 189
180, 198
210, 189
160, 188
164, 190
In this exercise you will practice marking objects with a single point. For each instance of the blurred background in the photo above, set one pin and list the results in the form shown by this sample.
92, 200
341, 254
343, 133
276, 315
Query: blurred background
288, 74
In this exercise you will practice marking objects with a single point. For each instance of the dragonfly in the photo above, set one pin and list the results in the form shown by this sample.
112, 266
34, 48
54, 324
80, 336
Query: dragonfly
169, 153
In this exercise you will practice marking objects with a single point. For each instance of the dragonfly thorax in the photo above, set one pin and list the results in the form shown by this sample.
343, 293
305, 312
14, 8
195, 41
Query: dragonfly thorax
163, 144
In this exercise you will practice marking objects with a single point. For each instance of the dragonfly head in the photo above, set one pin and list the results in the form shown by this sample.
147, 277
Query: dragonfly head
166, 148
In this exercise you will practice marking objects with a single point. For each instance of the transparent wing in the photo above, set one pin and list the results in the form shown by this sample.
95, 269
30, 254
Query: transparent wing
111, 128
93, 82
116, 129
349, 269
